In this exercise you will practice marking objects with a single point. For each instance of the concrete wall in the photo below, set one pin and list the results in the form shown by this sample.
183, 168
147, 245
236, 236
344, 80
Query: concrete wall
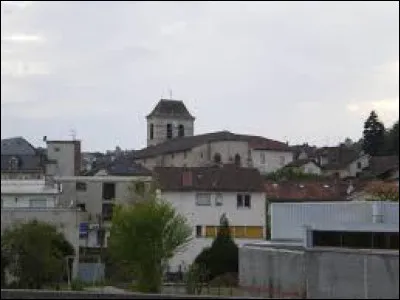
319, 273
66, 154
67, 220
185, 204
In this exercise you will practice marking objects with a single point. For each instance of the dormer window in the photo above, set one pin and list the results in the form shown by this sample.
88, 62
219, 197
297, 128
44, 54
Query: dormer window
13, 163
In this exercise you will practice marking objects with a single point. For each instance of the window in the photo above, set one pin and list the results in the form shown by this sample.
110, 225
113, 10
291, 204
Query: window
81, 206
181, 130
185, 154
238, 160
203, 199
218, 199
37, 203
243, 200
108, 191
211, 231
107, 211
247, 201
359, 166
151, 133
262, 158
80, 186
140, 188
217, 158
169, 131
14, 163
282, 160
199, 231
172, 156
201, 154
239, 200
101, 233
56, 149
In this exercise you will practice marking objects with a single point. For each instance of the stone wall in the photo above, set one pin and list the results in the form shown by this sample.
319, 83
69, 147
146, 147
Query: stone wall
319, 273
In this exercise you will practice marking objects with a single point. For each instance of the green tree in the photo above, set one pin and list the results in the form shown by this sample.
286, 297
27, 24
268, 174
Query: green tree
373, 135
223, 255
36, 253
145, 235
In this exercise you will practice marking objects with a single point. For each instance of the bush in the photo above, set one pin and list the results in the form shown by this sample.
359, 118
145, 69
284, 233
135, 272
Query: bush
222, 256
77, 285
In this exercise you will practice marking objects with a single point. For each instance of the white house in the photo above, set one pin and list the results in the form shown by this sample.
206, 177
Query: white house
307, 166
204, 194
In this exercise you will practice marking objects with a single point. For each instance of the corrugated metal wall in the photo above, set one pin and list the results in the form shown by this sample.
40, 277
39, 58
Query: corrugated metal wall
288, 219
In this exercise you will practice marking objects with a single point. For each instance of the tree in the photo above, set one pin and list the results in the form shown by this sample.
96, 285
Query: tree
373, 135
223, 255
392, 140
36, 253
145, 235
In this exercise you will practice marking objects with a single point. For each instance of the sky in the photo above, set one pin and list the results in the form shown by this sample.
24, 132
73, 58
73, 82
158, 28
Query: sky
290, 71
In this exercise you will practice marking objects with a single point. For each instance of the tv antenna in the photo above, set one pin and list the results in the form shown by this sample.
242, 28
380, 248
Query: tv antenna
170, 94
72, 133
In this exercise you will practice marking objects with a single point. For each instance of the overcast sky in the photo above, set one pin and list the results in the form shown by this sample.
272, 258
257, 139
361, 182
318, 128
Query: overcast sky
296, 71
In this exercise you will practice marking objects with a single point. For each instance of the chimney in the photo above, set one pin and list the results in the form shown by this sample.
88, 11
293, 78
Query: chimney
187, 178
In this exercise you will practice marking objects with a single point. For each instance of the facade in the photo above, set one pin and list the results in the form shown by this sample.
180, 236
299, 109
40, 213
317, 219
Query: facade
215, 148
204, 195
307, 166
20, 160
64, 158
28, 194
96, 195
170, 119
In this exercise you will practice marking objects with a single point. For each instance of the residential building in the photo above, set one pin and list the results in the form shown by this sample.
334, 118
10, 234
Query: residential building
29, 194
169, 119
306, 166
383, 167
96, 194
204, 195
20, 160
64, 157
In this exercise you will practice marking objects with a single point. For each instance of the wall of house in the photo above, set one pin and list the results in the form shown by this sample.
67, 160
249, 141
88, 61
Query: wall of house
358, 165
67, 220
67, 155
160, 129
288, 219
24, 201
274, 160
185, 203
311, 168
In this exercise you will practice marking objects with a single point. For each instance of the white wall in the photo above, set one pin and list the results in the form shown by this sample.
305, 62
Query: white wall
274, 160
64, 154
23, 201
160, 129
354, 167
288, 219
185, 204
311, 168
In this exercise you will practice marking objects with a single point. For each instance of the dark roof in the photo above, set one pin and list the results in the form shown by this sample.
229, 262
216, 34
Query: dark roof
225, 178
310, 151
302, 191
121, 167
338, 157
301, 162
170, 109
379, 165
186, 143
17, 146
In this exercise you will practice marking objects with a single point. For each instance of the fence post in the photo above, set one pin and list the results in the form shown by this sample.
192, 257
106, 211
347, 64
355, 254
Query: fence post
365, 276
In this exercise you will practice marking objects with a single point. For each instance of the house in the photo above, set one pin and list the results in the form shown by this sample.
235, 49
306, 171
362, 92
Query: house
64, 157
205, 194
96, 193
307, 166
171, 143
21, 160
341, 161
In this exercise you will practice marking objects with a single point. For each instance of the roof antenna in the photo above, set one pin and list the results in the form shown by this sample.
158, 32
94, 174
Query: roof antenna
73, 134
170, 94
